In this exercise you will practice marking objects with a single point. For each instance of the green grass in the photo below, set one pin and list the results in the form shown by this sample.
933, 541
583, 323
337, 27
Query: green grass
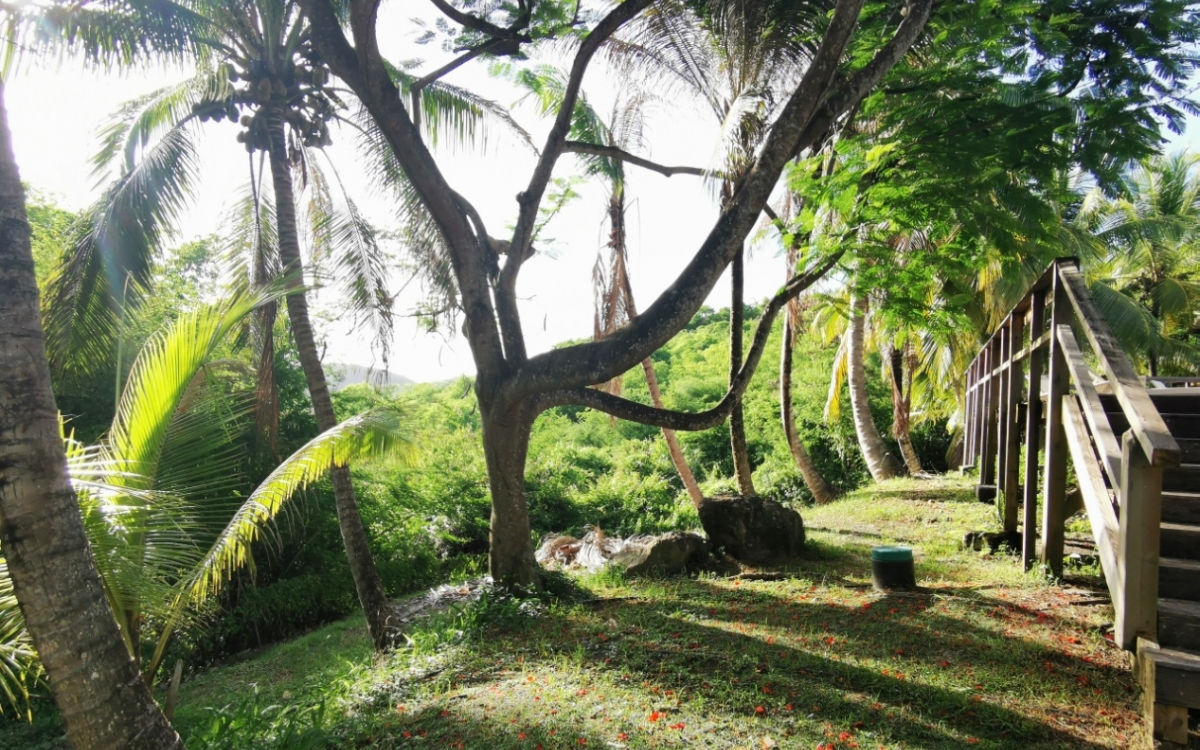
982, 656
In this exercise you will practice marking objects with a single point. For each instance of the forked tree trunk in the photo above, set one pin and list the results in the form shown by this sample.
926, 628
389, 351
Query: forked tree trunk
821, 490
880, 462
901, 370
673, 446
103, 700
737, 421
505, 447
362, 565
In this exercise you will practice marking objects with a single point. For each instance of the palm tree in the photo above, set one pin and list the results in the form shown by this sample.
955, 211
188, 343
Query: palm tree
104, 703
880, 462
738, 58
260, 70
1147, 281
163, 496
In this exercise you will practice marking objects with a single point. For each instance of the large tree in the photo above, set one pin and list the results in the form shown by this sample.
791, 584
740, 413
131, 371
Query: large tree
513, 387
104, 702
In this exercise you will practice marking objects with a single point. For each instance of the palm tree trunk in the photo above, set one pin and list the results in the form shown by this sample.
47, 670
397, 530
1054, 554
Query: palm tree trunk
104, 702
902, 407
821, 490
676, 451
737, 422
882, 464
362, 565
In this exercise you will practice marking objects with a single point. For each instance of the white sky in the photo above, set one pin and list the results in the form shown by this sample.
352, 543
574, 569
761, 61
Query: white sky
55, 111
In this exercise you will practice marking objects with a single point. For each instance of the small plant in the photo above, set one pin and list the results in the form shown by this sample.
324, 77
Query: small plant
249, 725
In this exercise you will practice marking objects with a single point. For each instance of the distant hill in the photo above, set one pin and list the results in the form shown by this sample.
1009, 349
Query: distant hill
341, 375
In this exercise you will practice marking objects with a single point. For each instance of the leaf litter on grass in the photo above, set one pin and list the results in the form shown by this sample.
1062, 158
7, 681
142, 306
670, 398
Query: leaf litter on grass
980, 656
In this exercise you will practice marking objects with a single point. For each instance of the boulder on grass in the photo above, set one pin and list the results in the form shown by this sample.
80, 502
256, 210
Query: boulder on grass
752, 529
661, 555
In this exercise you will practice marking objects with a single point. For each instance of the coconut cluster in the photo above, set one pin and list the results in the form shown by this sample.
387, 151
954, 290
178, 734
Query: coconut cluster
295, 90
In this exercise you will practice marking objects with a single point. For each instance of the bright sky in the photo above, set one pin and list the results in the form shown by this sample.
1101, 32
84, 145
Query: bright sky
55, 111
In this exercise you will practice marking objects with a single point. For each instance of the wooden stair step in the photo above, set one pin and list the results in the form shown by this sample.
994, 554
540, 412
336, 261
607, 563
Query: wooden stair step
1174, 400
1180, 540
1181, 507
1186, 426
1189, 450
1170, 686
1179, 579
1179, 624
1185, 478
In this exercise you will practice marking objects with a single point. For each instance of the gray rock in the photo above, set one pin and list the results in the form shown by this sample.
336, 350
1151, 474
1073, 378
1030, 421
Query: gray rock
665, 554
752, 529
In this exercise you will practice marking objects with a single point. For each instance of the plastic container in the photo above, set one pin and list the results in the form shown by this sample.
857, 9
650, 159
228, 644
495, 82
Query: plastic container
892, 568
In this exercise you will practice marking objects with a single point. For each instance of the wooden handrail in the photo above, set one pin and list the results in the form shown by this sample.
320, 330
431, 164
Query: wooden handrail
1068, 421
1147, 425
1093, 410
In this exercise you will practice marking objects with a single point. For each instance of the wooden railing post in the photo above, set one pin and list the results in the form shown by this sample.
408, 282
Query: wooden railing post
991, 395
1054, 492
1033, 425
1005, 358
1010, 467
969, 416
1137, 560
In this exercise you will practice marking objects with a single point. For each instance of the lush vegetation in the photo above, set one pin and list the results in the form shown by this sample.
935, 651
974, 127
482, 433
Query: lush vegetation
812, 659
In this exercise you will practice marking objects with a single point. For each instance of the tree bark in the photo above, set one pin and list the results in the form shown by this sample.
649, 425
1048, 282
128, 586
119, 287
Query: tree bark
104, 702
673, 446
880, 462
901, 371
505, 447
821, 490
737, 420
367, 583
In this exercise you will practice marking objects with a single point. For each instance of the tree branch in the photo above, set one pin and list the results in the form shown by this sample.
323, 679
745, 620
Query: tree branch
868, 77
531, 198
599, 361
363, 69
612, 152
478, 24
677, 420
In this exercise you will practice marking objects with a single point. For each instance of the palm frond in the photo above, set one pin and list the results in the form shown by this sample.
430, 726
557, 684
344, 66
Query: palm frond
109, 261
378, 432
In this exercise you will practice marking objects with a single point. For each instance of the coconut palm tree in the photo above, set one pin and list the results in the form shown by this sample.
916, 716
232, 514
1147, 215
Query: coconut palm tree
168, 513
1148, 279
104, 703
737, 57
258, 69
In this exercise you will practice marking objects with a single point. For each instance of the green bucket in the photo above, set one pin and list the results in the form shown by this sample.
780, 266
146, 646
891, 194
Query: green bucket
892, 568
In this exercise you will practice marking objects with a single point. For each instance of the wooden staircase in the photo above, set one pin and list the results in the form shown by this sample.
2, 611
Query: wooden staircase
1136, 455
1169, 665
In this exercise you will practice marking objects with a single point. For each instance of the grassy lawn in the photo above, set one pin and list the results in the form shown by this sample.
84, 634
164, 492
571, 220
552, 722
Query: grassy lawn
982, 656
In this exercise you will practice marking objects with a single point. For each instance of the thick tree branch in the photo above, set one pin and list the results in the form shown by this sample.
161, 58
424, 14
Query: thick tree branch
677, 420
612, 152
857, 86
362, 68
480, 25
531, 198
598, 361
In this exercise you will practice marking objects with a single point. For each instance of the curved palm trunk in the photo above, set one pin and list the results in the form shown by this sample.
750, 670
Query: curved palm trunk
737, 421
880, 462
103, 700
901, 368
673, 446
362, 565
619, 296
821, 490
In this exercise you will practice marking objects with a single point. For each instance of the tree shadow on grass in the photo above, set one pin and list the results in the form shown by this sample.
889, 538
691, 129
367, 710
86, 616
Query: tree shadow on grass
729, 653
